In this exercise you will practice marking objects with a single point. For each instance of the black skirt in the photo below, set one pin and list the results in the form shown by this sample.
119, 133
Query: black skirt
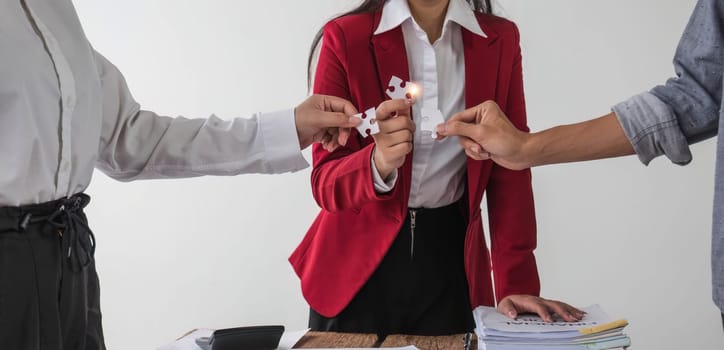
419, 288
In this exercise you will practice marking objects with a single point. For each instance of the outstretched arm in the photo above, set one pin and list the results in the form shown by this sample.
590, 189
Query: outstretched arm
486, 133
663, 121
138, 144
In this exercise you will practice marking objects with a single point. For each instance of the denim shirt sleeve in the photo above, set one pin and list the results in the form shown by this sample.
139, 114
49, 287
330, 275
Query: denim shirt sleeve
686, 109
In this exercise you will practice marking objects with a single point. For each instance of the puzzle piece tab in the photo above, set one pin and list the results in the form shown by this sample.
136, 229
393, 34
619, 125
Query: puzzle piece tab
399, 89
431, 118
369, 123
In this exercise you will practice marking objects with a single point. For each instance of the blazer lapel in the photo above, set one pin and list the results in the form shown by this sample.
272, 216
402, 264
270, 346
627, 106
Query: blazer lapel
391, 59
482, 62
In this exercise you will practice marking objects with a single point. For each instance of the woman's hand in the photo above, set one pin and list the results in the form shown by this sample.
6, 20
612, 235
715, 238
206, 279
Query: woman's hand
325, 119
394, 141
514, 305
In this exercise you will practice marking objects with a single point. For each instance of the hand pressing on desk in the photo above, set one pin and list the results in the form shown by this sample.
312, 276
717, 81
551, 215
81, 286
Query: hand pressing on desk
514, 305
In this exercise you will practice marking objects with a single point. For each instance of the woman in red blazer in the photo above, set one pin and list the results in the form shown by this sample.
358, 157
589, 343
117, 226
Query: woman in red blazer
399, 245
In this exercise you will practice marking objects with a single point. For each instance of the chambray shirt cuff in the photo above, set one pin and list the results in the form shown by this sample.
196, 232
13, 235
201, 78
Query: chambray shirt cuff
653, 129
382, 186
281, 142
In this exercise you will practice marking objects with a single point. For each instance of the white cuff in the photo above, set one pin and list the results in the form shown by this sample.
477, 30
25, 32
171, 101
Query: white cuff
281, 142
382, 186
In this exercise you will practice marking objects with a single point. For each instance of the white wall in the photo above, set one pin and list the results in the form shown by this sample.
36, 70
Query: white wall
211, 252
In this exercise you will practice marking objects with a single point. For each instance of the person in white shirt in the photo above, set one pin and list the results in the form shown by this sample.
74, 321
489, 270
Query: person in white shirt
399, 247
66, 110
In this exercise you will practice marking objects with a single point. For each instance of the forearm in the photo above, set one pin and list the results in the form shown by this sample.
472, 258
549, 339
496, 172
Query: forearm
148, 146
590, 140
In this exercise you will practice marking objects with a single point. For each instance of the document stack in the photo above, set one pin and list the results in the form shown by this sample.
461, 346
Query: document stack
596, 331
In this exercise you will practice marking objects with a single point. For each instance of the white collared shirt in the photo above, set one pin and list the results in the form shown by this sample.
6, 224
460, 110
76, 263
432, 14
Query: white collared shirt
65, 110
438, 167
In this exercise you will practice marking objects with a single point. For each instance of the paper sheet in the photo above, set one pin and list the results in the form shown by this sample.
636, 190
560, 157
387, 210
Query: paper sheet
488, 318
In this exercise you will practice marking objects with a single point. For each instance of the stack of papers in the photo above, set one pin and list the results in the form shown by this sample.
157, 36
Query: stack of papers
596, 331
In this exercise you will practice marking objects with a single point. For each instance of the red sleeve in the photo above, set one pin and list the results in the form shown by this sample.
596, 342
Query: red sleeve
341, 180
511, 208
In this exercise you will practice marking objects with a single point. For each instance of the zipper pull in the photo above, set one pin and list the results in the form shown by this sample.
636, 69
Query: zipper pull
413, 224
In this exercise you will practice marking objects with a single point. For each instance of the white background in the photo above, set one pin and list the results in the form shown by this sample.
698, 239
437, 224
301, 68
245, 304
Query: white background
211, 252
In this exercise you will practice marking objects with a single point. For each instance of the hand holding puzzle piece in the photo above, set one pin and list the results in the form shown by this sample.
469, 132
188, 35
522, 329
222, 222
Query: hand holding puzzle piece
400, 89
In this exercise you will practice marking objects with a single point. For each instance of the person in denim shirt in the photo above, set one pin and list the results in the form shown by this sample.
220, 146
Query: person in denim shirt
663, 121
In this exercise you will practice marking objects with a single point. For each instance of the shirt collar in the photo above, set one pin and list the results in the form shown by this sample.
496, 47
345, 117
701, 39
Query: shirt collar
396, 12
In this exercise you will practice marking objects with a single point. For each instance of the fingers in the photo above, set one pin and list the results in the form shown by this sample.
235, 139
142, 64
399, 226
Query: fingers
336, 104
343, 136
473, 149
395, 132
390, 108
561, 310
536, 306
332, 140
507, 308
396, 124
398, 137
394, 141
328, 142
399, 150
574, 313
477, 155
516, 304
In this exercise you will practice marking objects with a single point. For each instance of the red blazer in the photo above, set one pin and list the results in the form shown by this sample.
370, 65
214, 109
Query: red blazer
357, 225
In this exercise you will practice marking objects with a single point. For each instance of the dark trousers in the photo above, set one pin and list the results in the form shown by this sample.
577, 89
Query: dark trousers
419, 288
49, 293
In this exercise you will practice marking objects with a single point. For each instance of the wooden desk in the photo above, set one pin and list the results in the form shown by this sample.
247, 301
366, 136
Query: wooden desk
325, 340
450, 342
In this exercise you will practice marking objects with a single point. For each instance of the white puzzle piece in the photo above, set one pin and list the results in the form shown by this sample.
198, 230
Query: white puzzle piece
431, 118
369, 123
398, 89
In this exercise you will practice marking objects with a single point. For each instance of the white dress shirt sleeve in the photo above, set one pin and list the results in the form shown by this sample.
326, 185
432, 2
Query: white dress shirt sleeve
382, 186
136, 144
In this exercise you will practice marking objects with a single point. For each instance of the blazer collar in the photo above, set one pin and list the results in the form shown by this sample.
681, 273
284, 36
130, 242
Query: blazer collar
396, 12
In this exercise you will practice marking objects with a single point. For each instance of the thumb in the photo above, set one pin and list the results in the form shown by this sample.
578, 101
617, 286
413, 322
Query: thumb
458, 128
335, 120
337, 104
467, 116
507, 308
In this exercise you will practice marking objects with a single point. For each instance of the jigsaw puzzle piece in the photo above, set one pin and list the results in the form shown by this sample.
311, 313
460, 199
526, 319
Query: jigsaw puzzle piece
431, 118
399, 89
369, 124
